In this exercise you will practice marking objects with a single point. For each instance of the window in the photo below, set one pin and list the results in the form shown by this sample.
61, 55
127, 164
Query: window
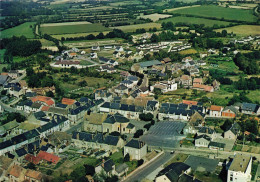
231, 178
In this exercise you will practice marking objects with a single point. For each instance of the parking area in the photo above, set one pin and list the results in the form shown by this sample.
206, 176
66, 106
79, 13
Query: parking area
201, 164
164, 134
229, 143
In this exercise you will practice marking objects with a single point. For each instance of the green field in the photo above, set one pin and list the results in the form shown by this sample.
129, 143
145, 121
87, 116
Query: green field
132, 28
193, 20
23, 29
71, 29
219, 12
243, 30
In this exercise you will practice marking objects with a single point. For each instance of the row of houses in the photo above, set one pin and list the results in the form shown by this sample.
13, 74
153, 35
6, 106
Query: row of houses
57, 123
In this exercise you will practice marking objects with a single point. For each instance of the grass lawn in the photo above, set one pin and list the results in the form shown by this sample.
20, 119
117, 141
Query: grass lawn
179, 157
254, 95
207, 177
85, 63
132, 28
194, 20
71, 29
219, 12
23, 29
243, 30
3, 65
188, 51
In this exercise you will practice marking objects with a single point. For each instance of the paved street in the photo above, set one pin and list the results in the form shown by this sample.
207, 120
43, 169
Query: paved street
142, 173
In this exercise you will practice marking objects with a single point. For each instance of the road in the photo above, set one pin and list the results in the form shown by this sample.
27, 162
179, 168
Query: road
142, 173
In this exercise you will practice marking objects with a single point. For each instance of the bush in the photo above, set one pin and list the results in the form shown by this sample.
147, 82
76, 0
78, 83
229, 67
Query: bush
138, 133
146, 117
127, 158
140, 162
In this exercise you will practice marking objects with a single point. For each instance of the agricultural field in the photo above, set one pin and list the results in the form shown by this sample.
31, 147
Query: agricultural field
132, 28
219, 12
174, 9
64, 24
24, 29
73, 35
71, 29
123, 3
89, 43
155, 17
243, 30
194, 20
188, 51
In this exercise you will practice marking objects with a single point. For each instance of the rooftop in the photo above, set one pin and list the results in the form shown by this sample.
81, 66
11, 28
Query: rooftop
240, 163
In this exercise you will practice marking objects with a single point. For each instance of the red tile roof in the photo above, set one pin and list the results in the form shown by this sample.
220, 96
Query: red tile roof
48, 100
190, 102
215, 108
67, 101
206, 88
32, 159
16, 171
48, 157
45, 108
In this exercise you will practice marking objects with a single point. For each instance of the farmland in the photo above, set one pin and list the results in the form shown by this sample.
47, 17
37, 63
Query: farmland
89, 43
24, 29
64, 24
132, 28
219, 12
71, 29
194, 20
155, 17
73, 35
243, 30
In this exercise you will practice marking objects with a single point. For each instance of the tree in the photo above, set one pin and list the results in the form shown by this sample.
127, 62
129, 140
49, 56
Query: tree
154, 38
31, 165
140, 162
146, 117
83, 83
127, 158
50, 94
227, 125
100, 36
90, 170
49, 172
138, 133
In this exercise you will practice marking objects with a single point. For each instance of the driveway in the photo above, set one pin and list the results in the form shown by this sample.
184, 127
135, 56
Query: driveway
142, 173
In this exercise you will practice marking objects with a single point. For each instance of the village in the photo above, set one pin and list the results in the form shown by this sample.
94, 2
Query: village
121, 129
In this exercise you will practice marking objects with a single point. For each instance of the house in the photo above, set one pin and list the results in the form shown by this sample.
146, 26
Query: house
97, 141
202, 141
186, 80
93, 55
67, 64
108, 167
148, 64
232, 132
127, 83
175, 172
34, 176
187, 59
206, 131
205, 73
201, 63
136, 149
165, 86
47, 101
166, 60
76, 115
121, 89
240, 168
216, 85
118, 123
4, 79
198, 81
95, 48
121, 170
119, 48
215, 111
5, 164
13, 74
202, 87
116, 54
16, 91
16, 173
69, 102
72, 54
229, 112
190, 102
133, 79
249, 108
103, 94
51, 158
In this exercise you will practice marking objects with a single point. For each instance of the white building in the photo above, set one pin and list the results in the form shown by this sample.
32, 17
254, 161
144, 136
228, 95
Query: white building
136, 149
240, 169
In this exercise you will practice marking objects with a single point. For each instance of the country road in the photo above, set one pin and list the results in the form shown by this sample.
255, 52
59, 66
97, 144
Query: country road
142, 173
